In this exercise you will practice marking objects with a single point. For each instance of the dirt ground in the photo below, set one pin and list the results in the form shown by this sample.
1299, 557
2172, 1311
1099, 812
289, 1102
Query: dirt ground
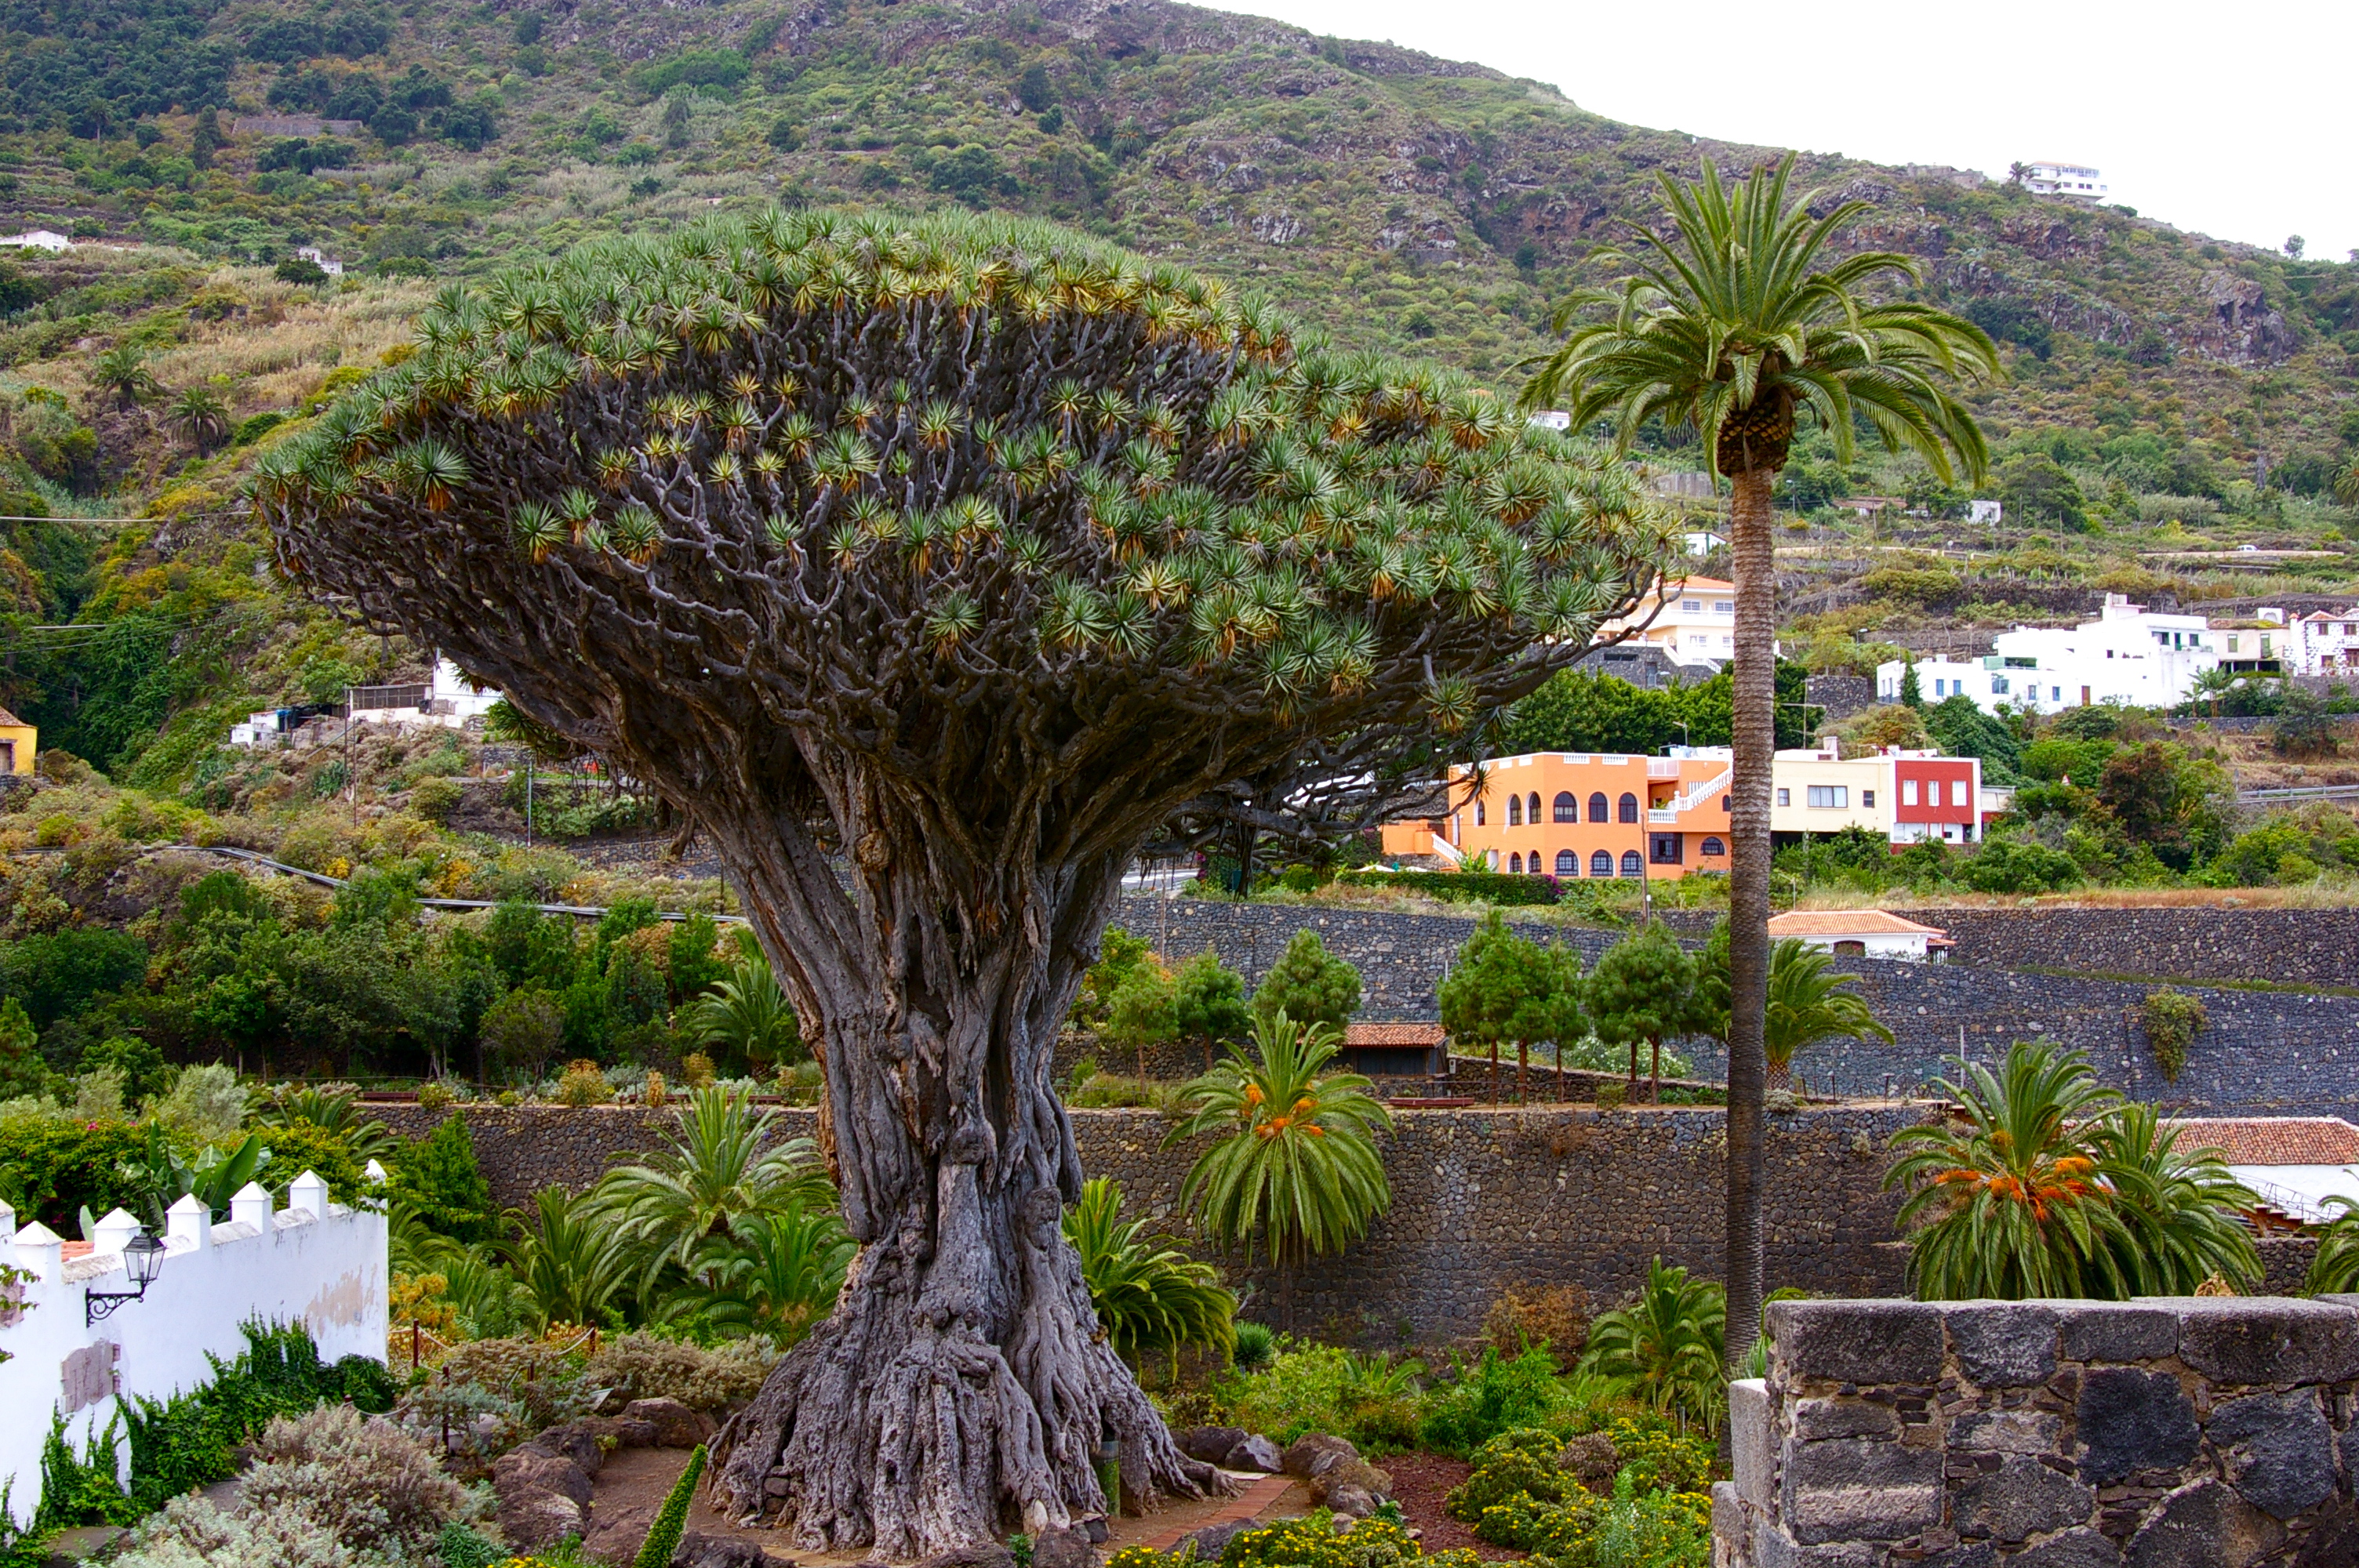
632, 1485
1420, 1482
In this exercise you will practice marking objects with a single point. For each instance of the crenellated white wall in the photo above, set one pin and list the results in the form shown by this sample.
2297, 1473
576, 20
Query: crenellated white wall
315, 1263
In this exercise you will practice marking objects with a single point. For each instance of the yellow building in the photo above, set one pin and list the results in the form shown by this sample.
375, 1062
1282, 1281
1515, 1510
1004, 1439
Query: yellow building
17, 740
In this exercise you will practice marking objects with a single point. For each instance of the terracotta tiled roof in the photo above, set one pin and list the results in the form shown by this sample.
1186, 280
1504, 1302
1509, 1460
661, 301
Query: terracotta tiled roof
8, 718
1375, 1034
2274, 1140
1847, 922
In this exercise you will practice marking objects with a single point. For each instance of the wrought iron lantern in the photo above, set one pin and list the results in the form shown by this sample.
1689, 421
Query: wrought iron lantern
142, 1259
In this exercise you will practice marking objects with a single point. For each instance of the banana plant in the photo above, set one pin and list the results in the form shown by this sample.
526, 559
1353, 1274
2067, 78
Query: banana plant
163, 1178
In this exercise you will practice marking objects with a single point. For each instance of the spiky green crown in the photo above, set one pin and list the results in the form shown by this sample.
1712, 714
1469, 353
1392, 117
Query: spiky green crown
1025, 454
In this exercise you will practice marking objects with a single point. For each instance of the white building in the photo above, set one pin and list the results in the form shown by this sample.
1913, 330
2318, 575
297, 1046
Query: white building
2077, 182
319, 259
445, 697
1692, 621
1702, 541
2294, 1162
37, 240
2127, 656
1986, 511
1862, 933
313, 1262
2323, 644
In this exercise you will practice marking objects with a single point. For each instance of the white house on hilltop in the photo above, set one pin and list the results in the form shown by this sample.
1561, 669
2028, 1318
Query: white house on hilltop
1693, 621
37, 240
2128, 655
445, 697
2075, 182
2323, 644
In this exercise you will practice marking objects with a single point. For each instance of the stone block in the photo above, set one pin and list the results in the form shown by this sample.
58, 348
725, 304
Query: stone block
1773, 1548
2007, 1431
1859, 1341
2079, 1548
1815, 1419
521, 1470
719, 1551
1752, 1441
1213, 1539
2203, 1525
2020, 1499
1063, 1547
1965, 1555
2269, 1339
2117, 1331
1858, 1488
973, 1554
2131, 1420
1727, 1514
2003, 1344
2276, 1450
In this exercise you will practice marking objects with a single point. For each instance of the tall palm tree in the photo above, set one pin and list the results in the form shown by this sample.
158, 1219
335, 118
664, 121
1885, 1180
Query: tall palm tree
720, 1167
1294, 1164
1737, 323
1810, 1000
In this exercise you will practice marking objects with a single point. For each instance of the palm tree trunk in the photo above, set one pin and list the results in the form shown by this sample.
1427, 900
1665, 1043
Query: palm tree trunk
1754, 724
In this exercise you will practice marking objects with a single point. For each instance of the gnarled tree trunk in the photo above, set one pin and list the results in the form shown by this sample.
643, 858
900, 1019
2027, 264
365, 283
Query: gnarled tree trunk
962, 1386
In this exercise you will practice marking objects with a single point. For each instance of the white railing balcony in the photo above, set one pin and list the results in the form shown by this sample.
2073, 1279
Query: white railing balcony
1662, 818
1662, 767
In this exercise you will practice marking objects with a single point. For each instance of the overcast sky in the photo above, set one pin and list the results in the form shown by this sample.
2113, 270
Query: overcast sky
2237, 123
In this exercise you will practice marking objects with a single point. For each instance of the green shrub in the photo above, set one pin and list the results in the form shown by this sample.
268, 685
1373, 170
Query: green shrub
51, 1168
1462, 887
1256, 1343
1519, 1461
1307, 1386
437, 1179
2172, 1019
1491, 1396
1312, 1541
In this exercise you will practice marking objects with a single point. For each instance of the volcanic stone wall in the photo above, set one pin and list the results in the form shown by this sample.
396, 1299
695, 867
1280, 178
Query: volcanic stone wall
2158, 1433
2282, 1052
1484, 1199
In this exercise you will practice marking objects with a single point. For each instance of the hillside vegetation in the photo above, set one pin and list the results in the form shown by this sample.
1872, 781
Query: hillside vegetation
2167, 398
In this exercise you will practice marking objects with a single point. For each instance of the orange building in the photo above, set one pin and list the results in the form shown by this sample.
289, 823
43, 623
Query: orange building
1574, 816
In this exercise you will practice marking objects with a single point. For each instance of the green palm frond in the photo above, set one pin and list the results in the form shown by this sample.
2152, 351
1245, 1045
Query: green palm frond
1294, 1167
1150, 1298
1665, 1346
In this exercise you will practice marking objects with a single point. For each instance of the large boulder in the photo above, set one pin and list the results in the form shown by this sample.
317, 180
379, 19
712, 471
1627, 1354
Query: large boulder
1211, 1445
1311, 1453
1252, 1452
676, 1425
718, 1551
1352, 1475
535, 1517
529, 1469
1063, 1548
975, 1554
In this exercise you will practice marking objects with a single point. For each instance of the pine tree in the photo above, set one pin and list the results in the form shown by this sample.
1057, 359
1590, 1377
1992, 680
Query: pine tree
439, 1180
1308, 984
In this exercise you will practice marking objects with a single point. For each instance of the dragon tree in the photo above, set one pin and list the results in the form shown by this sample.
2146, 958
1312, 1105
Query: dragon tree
930, 565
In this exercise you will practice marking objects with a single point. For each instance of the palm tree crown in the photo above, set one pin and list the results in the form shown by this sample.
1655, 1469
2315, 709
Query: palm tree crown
1737, 325
1295, 1165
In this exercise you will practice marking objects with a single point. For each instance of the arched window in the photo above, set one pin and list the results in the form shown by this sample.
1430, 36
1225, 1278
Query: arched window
1714, 846
1568, 864
1515, 811
1516, 863
1535, 866
1533, 811
1601, 864
1598, 808
1478, 814
1632, 866
1567, 808
1629, 806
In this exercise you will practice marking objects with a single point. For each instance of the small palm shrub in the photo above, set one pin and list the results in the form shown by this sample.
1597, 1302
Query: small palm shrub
1252, 1345
1666, 1345
1150, 1299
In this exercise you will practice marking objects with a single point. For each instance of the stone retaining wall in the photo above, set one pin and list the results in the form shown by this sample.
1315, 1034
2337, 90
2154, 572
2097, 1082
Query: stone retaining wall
2280, 1053
1484, 1200
2158, 1433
